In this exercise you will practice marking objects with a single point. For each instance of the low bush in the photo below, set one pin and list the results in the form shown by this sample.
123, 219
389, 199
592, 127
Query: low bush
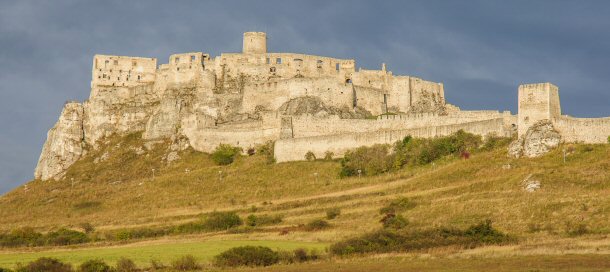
316, 225
137, 233
366, 161
126, 265
94, 266
185, 263
267, 150
47, 265
310, 156
574, 230
225, 154
29, 237
385, 241
393, 221
332, 213
64, 237
398, 205
328, 155
221, 221
5, 270
156, 265
261, 220
609, 139
247, 256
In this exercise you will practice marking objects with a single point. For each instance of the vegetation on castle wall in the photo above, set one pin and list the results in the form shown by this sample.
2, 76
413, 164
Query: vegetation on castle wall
379, 159
225, 154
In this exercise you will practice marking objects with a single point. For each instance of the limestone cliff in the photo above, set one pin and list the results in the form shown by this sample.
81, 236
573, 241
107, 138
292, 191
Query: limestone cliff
539, 139
65, 143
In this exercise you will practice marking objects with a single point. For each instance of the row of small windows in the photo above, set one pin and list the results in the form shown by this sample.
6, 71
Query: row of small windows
116, 62
118, 78
318, 62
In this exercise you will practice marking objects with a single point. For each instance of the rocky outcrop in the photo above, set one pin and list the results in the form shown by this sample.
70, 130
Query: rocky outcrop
539, 139
65, 143
314, 106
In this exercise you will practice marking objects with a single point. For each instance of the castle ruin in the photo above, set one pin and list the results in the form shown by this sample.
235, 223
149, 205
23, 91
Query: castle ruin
301, 102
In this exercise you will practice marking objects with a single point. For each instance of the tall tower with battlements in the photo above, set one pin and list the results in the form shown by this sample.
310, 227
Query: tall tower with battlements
537, 102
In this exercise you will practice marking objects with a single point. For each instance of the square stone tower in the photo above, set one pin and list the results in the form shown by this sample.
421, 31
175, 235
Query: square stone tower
537, 102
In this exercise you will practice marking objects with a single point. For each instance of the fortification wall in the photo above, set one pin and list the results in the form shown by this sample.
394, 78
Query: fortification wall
309, 126
271, 95
585, 130
370, 99
295, 149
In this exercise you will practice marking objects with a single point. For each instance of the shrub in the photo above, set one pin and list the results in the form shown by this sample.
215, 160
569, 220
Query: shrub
247, 256
25, 236
267, 150
222, 221
384, 241
310, 156
393, 221
64, 237
576, 230
185, 263
5, 270
251, 151
261, 220
328, 155
369, 160
609, 139
156, 265
94, 266
493, 141
87, 227
316, 225
332, 213
47, 265
398, 205
225, 154
138, 233
126, 265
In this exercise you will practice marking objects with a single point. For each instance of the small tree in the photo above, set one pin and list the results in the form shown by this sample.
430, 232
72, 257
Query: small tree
94, 266
225, 154
310, 156
126, 265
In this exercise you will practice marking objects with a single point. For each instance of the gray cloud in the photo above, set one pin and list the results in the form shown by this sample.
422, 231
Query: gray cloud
481, 50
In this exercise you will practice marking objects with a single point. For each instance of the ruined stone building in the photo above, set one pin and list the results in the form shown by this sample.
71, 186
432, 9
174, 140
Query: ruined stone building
301, 102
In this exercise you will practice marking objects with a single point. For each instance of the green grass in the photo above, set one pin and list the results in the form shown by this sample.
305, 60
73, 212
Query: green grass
204, 251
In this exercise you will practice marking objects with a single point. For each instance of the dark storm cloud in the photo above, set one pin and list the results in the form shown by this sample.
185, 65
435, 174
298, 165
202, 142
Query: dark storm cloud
481, 50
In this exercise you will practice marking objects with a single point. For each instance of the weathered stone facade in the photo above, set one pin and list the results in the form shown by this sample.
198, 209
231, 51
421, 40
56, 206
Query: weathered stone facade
303, 102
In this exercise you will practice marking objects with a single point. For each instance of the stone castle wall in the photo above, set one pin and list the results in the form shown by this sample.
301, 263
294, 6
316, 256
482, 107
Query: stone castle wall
584, 130
296, 148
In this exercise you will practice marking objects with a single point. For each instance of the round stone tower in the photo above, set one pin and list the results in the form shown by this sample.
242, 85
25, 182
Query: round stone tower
255, 43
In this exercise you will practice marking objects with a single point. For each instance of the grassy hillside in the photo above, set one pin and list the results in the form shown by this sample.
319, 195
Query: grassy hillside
570, 211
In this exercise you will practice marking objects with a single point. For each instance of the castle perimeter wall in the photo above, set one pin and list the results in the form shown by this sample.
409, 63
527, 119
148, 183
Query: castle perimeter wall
585, 130
295, 149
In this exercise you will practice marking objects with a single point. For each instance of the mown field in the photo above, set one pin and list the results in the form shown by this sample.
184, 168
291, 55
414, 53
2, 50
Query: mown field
569, 214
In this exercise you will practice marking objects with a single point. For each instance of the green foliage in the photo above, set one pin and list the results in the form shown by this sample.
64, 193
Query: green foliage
267, 150
332, 213
186, 263
126, 265
384, 241
310, 156
369, 160
64, 237
29, 237
45, 265
298, 255
609, 139
393, 221
225, 154
247, 256
261, 220
492, 142
94, 266
318, 224
222, 221
137, 233
5, 270
398, 205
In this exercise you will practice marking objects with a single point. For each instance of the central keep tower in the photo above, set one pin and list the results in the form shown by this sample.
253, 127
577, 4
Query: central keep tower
255, 43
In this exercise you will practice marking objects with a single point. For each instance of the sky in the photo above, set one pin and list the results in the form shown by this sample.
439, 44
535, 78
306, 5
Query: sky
480, 50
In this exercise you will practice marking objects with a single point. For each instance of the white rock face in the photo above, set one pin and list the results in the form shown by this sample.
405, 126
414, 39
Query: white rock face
537, 141
64, 144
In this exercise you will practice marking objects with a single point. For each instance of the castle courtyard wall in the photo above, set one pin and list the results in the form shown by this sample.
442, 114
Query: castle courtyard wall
583, 130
